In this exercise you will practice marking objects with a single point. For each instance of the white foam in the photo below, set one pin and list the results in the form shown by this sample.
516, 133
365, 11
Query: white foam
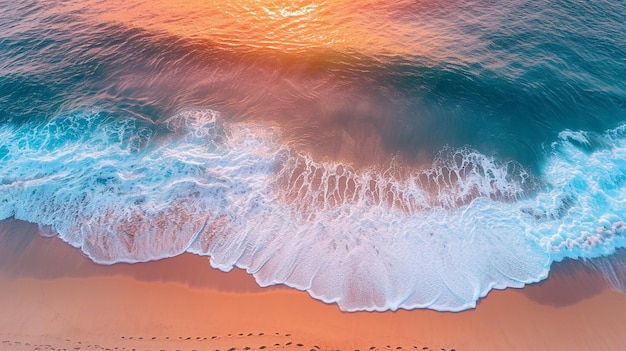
376, 239
114, 191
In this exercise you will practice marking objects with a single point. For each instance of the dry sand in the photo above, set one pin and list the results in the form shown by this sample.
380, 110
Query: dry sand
51, 297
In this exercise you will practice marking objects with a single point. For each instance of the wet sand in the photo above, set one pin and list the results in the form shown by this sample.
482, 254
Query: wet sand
53, 298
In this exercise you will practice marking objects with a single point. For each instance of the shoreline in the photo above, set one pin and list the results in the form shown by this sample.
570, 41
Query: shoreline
51, 294
123, 313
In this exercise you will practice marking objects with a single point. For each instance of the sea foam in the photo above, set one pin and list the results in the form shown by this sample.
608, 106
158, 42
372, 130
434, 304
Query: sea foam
437, 237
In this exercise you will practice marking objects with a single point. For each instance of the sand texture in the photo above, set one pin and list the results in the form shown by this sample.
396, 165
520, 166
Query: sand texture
52, 298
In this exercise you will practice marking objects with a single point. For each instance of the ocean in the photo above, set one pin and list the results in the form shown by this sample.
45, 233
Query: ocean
377, 154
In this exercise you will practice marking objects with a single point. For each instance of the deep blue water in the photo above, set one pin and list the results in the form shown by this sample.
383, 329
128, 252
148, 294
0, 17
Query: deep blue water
390, 156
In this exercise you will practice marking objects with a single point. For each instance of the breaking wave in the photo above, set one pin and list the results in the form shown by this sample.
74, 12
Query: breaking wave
440, 236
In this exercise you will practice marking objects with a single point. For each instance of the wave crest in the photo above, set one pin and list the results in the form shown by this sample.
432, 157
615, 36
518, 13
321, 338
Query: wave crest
439, 237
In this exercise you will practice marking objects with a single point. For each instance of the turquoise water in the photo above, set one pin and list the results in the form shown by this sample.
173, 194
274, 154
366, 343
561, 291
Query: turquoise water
403, 156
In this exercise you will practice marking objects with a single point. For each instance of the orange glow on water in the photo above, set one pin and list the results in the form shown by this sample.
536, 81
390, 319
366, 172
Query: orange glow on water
367, 27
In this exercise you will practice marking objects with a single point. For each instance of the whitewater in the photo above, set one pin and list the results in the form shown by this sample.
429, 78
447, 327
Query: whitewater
363, 239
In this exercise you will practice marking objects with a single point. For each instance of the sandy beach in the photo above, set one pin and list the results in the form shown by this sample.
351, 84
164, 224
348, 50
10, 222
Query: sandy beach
53, 298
